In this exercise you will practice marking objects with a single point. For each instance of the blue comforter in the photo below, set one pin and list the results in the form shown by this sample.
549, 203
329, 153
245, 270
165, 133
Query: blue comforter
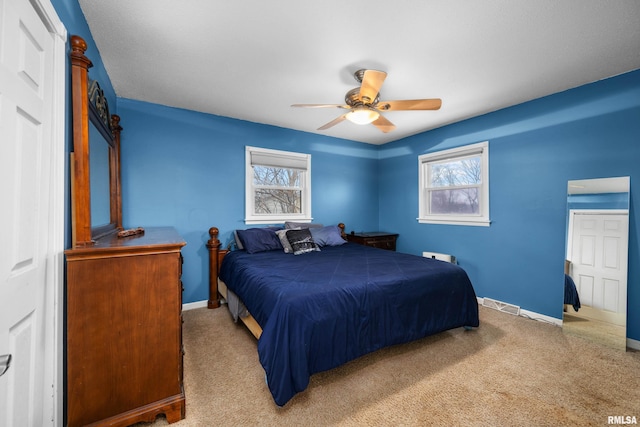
322, 309
571, 293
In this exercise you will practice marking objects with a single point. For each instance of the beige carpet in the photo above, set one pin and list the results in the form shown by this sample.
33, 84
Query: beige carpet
511, 371
596, 331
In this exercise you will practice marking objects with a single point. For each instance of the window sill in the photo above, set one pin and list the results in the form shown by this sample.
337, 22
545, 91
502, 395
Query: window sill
479, 222
251, 221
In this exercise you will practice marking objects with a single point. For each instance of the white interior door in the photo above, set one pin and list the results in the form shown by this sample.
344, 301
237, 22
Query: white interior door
599, 243
30, 176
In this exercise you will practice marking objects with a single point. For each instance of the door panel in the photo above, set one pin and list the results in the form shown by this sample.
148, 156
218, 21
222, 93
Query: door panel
26, 102
599, 248
587, 249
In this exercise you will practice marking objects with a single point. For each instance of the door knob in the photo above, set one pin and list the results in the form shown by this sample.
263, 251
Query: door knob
5, 361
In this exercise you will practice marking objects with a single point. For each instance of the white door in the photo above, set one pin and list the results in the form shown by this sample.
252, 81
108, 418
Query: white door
599, 244
31, 152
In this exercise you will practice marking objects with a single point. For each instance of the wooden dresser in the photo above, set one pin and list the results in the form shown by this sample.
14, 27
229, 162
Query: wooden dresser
124, 329
377, 239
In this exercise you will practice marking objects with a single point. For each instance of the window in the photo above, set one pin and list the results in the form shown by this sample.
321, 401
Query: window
278, 186
454, 186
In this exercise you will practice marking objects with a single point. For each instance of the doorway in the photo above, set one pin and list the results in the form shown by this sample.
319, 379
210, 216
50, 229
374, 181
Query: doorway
32, 109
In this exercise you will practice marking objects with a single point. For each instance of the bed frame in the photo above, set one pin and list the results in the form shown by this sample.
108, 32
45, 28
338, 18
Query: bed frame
218, 289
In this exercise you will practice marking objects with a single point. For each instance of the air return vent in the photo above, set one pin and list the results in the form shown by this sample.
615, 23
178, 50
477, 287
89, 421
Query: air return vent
501, 306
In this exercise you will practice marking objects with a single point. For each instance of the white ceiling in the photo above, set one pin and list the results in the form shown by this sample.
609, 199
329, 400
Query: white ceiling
252, 59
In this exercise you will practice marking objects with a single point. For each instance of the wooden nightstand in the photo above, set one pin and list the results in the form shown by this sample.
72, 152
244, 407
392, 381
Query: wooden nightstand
377, 239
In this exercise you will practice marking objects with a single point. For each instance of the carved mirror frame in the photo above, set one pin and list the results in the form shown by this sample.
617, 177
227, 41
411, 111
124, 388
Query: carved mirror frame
90, 106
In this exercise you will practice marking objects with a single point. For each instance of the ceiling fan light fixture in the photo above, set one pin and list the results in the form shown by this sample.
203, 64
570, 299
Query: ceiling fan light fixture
362, 115
364, 106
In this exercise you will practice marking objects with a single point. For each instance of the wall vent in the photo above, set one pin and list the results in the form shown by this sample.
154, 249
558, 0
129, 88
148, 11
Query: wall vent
501, 306
441, 257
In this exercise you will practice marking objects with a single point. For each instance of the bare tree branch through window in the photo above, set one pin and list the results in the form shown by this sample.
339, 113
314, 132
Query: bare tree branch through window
277, 190
455, 186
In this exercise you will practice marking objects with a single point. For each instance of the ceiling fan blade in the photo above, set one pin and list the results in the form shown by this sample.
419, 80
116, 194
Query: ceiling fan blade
383, 124
333, 122
321, 106
410, 104
371, 84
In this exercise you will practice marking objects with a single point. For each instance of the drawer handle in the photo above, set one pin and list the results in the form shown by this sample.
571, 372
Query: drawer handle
5, 361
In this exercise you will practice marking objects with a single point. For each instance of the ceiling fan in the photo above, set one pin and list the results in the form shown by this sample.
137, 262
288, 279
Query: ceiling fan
364, 103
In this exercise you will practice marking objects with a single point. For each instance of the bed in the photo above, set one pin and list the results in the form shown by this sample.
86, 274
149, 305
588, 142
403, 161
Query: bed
319, 309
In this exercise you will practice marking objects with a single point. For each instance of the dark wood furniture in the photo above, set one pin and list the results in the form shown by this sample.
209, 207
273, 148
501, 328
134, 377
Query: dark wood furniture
215, 259
377, 239
123, 290
124, 330
91, 111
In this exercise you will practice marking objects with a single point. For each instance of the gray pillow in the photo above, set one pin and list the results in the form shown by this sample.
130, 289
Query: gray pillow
299, 225
301, 241
238, 241
282, 235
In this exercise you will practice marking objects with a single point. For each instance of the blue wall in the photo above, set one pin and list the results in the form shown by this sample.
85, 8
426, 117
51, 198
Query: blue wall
598, 201
186, 169
534, 149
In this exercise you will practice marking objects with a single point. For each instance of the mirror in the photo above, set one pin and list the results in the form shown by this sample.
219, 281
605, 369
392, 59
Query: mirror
99, 178
95, 162
597, 240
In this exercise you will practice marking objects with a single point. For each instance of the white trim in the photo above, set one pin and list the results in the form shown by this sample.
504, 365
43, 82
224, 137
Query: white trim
53, 381
48, 14
540, 317
634, 344
471, 222
599, 211
273, 221
533, 315
482, 219
193, 305
305, 215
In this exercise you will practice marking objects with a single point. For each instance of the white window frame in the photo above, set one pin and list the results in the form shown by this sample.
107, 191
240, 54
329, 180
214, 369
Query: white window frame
281, 158
480, 219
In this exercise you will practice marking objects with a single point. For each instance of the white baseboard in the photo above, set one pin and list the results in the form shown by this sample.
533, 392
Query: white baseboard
194, 305
634, 344
534, 316
541, 317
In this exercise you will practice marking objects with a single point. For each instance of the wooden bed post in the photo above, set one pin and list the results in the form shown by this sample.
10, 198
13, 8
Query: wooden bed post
341, 226
214, 249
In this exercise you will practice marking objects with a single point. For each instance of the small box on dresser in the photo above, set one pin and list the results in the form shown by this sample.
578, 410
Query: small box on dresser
124, 329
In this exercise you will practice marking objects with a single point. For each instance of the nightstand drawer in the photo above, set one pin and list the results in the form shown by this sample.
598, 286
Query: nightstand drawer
375, 239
